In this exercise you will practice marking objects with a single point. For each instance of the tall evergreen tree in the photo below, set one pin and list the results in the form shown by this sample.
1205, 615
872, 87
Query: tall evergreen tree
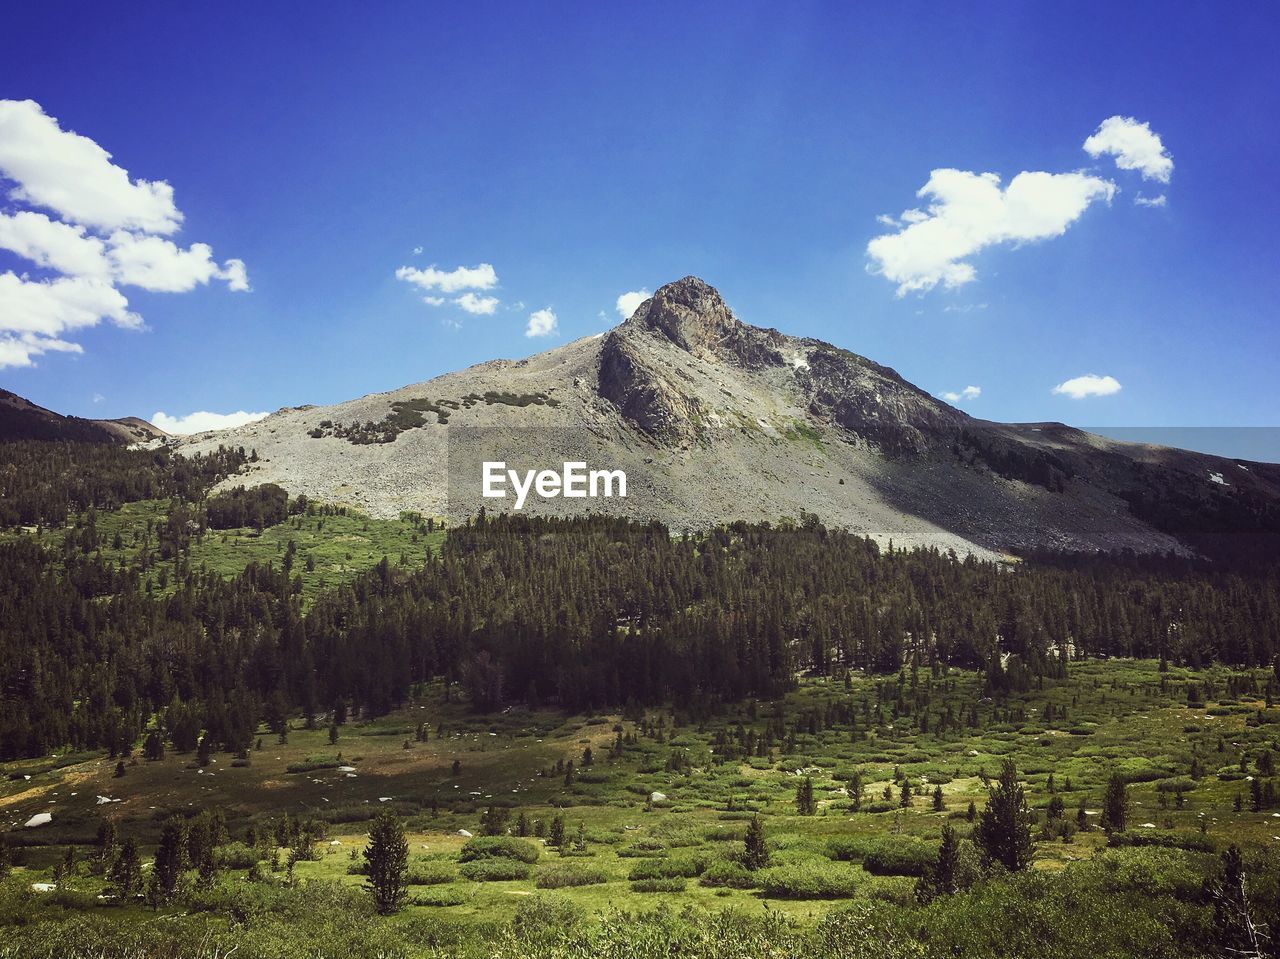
386, 858
1115, 804
126, 871
171, 860
756, 854
1003, 832
806, 805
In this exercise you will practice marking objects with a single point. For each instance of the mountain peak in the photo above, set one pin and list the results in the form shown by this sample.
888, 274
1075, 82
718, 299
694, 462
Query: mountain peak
693, 315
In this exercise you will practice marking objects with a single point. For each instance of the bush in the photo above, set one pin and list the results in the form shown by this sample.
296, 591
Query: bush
429, 872
497, 869
236, 855
901, 856
809, 880
1192, 842
683, 867
565, 875
724, 873
658, 885
498, 847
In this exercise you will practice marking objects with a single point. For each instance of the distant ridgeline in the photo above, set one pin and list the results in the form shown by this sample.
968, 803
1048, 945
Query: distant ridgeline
583, 613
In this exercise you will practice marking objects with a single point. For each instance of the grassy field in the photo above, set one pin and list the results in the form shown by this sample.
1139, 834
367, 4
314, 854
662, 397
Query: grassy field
1119, 715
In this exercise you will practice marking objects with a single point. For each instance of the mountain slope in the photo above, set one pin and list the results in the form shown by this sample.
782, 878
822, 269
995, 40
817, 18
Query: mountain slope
20, 419
715, 420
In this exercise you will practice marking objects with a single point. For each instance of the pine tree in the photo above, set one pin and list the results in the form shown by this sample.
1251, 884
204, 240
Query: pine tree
806, 805
1115, 805
106, 840
904, 794
557, 831
171, 860
6, 857
938, 805
1003, 833
386, 860
940, 877
126, 871
854, 789
756, 854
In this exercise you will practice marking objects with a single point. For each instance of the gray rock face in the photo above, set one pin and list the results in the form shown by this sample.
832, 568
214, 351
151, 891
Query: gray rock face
716, 420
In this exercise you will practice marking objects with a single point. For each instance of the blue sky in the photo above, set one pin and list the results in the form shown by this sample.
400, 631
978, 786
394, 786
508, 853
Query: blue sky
606, 148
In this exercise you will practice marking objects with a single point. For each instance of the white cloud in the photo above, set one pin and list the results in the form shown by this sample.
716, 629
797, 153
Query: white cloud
39, 310
477, 305
1160, 200
74, 177
160, 265
18, 350
1134, 145
628, 303
481, 277
434, 300
54, 246
109, 234
417, 251
200, 421
1090, 384
970, 212
968, 393
541, 323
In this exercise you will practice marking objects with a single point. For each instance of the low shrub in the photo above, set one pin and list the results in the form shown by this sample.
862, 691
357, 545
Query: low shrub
498, 847
684, 867
429, 872
809, 880
658, 885
236, 855
724, 873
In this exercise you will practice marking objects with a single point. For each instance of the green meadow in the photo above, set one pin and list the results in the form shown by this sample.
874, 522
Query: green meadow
655, 818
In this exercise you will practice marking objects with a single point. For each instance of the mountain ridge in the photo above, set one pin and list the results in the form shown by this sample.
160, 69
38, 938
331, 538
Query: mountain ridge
20, 419
718, 420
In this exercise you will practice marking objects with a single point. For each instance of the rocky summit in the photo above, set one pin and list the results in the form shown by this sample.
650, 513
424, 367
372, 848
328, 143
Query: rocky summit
715, 420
